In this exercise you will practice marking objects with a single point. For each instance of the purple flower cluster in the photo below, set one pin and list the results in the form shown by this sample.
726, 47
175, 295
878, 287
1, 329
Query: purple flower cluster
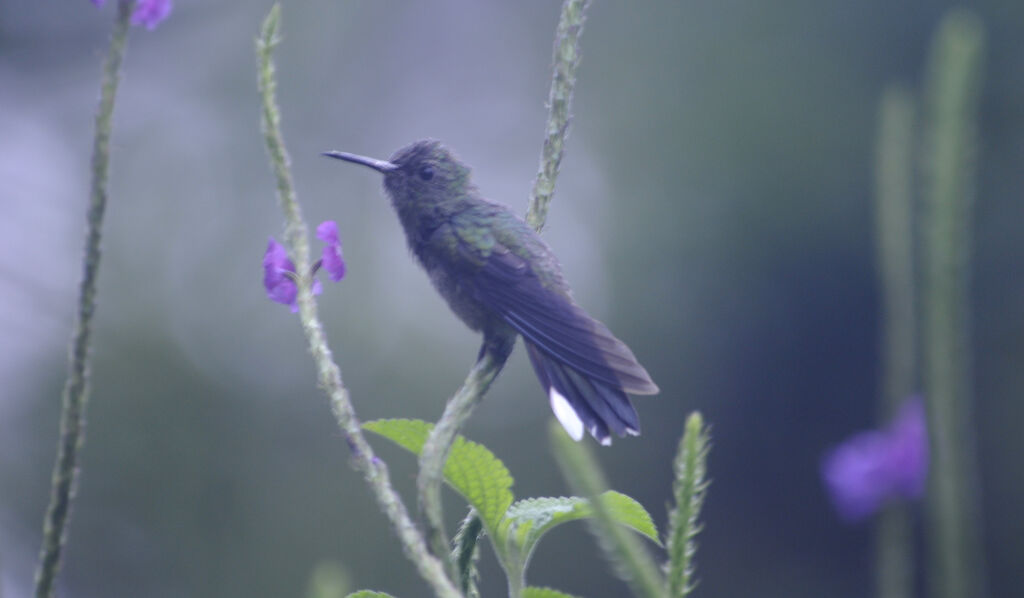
279, 271
331, 257
877, 466
148, 13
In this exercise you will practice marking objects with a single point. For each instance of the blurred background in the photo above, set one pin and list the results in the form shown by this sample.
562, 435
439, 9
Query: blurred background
714, 209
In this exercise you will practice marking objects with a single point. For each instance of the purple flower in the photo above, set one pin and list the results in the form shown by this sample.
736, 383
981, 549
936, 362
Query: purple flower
279, 271
278, 276
874, 467
331, 258
147, 12
150, 12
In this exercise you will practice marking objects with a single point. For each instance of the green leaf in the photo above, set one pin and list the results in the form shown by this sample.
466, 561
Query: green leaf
535, 592
632, 514
472, 470
527, 520
369, 594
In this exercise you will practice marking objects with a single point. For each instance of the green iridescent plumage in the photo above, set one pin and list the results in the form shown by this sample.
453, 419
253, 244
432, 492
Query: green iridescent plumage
499, 276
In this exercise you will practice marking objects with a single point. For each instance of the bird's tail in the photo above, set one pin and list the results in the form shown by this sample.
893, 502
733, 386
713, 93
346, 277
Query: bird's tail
582, 402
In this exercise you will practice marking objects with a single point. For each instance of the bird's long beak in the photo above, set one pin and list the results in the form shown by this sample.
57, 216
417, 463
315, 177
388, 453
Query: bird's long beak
382, 166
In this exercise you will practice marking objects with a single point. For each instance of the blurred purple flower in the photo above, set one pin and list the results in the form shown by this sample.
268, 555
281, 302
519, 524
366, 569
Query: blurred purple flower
331, 258
278, 272
148, 13
874, 467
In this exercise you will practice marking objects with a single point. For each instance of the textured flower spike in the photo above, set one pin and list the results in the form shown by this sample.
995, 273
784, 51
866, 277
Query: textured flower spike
874, 467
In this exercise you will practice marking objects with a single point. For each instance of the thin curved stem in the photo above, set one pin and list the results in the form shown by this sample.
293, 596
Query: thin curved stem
374, 470
76, 388
461, 405
952, 95
438, 444
894, 252
563, 82
580, 469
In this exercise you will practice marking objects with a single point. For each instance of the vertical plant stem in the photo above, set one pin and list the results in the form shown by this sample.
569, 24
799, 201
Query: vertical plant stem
689, 489
895, 247
563, 81
952, 96
439, 443
516, 585
461, 405
895, 256
329, 375
76, 388
586, 479
467, 552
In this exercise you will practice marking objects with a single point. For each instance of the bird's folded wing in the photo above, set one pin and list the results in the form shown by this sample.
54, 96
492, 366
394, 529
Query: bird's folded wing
550, 319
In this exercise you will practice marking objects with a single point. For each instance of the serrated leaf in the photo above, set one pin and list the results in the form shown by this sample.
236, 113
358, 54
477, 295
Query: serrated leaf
472, 469
369, 594
527, 520
535, 592
627, 511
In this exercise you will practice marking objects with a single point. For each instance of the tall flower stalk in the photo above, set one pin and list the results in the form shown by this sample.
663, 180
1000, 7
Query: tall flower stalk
894, 252
457, 411
951, 98
328, 372
76, 388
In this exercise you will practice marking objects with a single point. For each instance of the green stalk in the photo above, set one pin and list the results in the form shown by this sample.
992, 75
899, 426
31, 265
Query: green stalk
439, 444
895, 256
894, 250
462, 404
76, 389
563, 82
952, 96
467, 552
329, 375
626, 553
689, 490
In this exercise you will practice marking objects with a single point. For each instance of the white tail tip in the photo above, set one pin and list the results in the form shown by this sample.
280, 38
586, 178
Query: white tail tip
566, 415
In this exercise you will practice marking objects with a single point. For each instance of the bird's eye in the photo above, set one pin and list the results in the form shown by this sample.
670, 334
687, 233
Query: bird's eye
426, 172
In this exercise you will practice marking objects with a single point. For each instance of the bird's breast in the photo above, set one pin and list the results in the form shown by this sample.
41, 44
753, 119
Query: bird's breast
450, 271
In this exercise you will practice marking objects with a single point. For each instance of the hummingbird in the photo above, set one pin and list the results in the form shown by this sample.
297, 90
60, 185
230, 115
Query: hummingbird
501, 278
